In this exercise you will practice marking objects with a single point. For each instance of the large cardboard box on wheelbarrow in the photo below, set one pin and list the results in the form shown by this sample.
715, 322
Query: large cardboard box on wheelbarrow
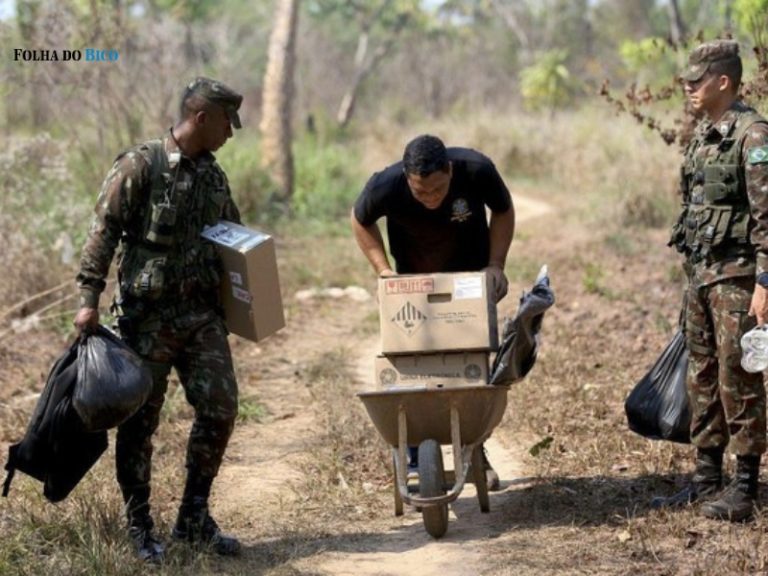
426, 371
444, 312
250, 288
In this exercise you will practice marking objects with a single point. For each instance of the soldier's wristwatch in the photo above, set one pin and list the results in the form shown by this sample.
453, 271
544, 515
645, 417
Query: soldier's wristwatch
762, 279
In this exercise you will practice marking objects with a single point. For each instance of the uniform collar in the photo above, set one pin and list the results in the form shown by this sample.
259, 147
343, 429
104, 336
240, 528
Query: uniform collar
174, 153
725, 125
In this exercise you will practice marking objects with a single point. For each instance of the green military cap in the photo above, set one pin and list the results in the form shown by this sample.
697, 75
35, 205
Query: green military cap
702, 57
218, 93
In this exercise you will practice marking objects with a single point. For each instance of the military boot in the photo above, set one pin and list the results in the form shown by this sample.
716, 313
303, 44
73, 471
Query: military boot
140, 524
195, 526
148, 547
707, 481
738, 500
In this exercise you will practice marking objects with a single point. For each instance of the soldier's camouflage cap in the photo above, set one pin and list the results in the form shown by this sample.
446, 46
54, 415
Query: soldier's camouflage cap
702, 58
220, 94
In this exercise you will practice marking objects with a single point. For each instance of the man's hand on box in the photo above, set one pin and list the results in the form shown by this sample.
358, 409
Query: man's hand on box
387, 272
497, 281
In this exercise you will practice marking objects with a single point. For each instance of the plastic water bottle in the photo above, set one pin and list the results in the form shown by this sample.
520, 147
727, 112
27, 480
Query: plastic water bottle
754, 349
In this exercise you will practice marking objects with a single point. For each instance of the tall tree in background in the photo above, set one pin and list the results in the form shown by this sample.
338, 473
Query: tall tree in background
379, 24
28, 21
189, 13
516, 16
277, 100
677, 30
367, 59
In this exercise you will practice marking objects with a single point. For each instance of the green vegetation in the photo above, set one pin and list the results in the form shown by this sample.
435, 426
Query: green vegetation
249, 409
328, 179
548, 84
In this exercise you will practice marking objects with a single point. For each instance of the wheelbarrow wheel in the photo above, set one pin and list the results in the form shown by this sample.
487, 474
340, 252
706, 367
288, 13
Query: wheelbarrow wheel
431, 479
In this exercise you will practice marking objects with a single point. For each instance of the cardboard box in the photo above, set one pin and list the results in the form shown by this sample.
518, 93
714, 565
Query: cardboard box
437, 313
432, 370
250, 289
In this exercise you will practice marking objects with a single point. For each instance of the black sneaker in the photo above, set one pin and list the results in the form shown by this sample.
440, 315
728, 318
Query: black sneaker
148, 547
491, 477
206, 533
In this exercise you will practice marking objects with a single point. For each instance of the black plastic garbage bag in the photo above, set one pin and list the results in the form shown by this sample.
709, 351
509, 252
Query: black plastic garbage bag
520, 341
658, 407
56, 449
112, 381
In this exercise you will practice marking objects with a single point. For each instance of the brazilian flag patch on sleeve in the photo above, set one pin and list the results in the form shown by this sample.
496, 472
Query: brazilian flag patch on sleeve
757, 155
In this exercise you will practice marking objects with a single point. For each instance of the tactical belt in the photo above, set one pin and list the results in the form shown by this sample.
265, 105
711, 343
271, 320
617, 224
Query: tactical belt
138, 312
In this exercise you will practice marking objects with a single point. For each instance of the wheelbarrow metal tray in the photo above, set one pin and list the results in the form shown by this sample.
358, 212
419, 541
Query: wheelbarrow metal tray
428, 412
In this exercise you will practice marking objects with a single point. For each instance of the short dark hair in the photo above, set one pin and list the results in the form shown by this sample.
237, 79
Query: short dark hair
730, 67
191, 103
424, 155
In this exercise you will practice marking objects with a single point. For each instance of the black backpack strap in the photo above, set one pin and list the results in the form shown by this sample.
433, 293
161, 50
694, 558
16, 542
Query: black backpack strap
7, 483
10, 466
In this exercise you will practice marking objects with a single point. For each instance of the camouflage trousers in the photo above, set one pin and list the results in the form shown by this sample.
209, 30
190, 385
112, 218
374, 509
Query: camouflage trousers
727, 403
196, 345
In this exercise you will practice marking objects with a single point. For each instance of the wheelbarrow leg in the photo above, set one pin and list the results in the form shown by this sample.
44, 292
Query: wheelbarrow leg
398, 498
481, 483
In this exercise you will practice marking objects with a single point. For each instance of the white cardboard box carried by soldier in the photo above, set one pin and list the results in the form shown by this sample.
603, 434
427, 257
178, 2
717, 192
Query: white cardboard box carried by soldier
250, 288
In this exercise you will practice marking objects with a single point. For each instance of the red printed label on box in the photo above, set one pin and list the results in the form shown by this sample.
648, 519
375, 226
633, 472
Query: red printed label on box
409, 285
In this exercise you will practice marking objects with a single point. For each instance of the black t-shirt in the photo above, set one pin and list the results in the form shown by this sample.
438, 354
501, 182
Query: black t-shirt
451, 238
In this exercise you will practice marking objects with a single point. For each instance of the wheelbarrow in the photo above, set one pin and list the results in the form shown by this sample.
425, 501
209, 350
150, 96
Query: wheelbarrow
462, 416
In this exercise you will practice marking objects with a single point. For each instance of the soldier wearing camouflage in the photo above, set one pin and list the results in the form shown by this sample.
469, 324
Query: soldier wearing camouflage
723, 233
153, 206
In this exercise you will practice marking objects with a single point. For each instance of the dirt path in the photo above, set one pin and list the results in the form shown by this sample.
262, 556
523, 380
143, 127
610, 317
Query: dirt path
264, 462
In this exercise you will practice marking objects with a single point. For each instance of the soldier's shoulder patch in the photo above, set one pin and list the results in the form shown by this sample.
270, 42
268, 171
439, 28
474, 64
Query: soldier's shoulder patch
757, 155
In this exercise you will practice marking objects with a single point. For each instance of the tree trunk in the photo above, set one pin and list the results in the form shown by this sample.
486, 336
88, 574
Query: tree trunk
511, 19
364, 64
728, 16
676, 25
363, 67
277, 97
28, 17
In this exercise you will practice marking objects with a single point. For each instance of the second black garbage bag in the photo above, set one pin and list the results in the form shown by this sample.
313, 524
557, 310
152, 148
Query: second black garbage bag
658, 406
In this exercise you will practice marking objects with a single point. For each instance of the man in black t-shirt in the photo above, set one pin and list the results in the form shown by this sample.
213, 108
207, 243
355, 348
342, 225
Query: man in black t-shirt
435, 202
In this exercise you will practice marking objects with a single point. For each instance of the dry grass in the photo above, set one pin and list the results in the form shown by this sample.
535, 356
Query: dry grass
589, 502
39, 209
353, 466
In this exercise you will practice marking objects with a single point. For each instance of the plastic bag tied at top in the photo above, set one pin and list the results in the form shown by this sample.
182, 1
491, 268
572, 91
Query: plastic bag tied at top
112, 381
520, 335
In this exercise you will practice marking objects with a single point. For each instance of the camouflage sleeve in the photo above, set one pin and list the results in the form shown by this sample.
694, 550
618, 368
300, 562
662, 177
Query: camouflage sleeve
755, 154
229, 211
114, 210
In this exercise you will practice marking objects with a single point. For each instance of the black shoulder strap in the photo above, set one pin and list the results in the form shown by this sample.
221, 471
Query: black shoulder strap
10, 466
745, 123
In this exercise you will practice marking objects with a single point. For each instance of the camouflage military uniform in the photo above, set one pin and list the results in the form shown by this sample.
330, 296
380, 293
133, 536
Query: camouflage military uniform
154, 203
723, 230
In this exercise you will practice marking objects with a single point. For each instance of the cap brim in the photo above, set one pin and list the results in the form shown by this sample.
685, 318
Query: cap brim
694, 73
234, 118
